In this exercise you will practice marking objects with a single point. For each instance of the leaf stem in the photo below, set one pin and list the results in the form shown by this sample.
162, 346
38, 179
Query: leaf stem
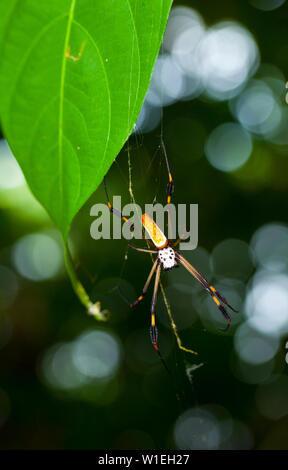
93, 308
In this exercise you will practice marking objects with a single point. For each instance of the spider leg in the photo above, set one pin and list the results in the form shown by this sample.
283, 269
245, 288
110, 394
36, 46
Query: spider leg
153, 328
179, 240
170, 185
220, 297
169, 190
216, 296
116, 211
142, 249
145, 288
111, 208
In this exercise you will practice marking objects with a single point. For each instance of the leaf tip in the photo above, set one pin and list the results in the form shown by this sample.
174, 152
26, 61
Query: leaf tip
95, 311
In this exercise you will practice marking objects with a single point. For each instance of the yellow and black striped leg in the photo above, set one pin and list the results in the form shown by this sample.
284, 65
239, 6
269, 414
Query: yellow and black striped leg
116, 211
145, 288
170, 189
170, 185
220, 297
210, 289
223, 311
111, 208
153, 328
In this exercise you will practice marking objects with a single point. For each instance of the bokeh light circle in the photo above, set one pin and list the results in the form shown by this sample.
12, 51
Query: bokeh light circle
93, 357
37, 256
253, 347
270, 247
266, 303
58, 368
196, 429
228, 56
228, 147
96, 354
257, 109
267, 5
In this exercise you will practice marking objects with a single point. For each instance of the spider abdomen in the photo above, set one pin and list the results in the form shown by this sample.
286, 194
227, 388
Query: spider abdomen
167, 258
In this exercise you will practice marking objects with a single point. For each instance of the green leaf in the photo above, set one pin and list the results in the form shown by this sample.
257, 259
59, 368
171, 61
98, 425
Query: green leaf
73, 77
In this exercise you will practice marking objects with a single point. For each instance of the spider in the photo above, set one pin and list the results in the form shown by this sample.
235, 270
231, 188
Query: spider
167, 258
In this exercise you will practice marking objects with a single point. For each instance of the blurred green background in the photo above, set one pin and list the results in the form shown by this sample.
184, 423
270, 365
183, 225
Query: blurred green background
68, 382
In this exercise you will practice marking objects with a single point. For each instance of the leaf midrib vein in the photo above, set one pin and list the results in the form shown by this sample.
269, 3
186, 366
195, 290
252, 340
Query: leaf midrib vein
139, 64
94, 43
61, 99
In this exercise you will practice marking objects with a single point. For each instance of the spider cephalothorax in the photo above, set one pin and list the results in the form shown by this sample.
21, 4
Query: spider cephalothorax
167, 257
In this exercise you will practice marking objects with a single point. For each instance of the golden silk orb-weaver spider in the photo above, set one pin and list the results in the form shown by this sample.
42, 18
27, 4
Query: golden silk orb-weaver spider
167, 258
